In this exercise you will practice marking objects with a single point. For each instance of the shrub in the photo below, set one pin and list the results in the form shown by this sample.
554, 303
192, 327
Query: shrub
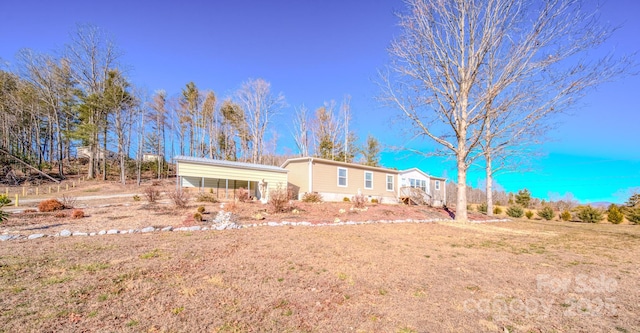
528, 214
197, 217
633, 215
3, 215
278, 199
206, 197
497, 210
614, 215
136, 198
515, 211
291, 193
482, 208
589, 214
345, 199
179, 197
60, 215
243, 195
68, 201
546, 213
313, 197
565, 216
4, 200
50, 205
152, 194
374, 201
359, 200
201, 209
523, 198
470, 208
77, 214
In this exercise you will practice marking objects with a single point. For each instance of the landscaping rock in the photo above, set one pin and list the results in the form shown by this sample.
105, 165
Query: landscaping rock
148, 229
92, 234
102, 232
78, 233
34, 236
169, 228
7, 237
65, 233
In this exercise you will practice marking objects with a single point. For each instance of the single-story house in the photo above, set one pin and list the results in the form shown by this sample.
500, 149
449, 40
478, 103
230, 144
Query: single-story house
224, 178
338, 180
420, 188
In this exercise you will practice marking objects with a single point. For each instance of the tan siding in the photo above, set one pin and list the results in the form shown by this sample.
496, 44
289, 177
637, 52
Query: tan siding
299, 175
325, 179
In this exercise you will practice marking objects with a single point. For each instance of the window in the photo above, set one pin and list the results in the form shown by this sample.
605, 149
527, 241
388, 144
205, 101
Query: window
437, 185
389, 182
418, 183
342, 177
368, 180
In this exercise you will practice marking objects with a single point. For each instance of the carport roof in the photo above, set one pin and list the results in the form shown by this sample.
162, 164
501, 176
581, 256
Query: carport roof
229, 164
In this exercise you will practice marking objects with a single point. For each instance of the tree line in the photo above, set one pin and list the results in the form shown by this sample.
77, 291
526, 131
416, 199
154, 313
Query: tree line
81, 96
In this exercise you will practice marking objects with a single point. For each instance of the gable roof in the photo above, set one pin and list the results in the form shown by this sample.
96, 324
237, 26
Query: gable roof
338, 163
422, 172
229, 164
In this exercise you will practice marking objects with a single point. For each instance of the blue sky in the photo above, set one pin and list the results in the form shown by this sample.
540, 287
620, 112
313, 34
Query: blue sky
316, 51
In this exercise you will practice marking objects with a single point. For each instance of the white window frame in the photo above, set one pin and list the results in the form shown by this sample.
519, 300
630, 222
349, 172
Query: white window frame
437, 186
390, 183
365, 180
346, 177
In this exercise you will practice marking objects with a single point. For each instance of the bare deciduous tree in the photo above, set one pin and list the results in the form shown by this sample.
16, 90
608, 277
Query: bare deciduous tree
465, 70
302, 130
259, 105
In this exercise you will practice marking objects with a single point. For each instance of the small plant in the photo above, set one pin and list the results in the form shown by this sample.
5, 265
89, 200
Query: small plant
345, 199
515, 211
243, 195
206, 197
374, 201
614, 215
197, 217
482, 208
565, 216
546, 213
60, 215
179, 197
497, 210
4, 200
50, 205
136, 198
152, 194
77, 214
68, 201
359, 200
470, 208
278, 199
312, 197
528, 214
3, 215
201, 209
589, 214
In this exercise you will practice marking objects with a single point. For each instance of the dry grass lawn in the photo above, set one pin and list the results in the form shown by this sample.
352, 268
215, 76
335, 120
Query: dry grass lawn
524, 276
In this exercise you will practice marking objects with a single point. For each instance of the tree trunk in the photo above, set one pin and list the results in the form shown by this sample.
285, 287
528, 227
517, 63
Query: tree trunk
489, 185
461, 203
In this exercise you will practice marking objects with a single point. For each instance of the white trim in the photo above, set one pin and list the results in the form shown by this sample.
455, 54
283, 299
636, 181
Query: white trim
365, 180
386, 182
346, 177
